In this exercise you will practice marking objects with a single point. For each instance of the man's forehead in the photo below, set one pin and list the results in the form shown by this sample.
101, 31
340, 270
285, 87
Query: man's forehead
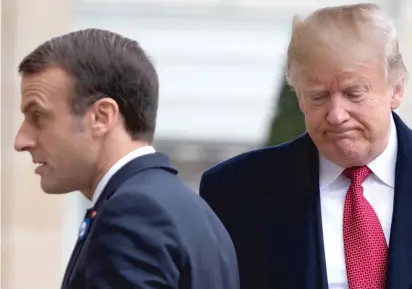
44, 88
342, 79
52, 78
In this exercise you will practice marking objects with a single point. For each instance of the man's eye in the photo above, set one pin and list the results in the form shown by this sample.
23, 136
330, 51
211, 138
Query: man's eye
355, 95
319, 96
36, 116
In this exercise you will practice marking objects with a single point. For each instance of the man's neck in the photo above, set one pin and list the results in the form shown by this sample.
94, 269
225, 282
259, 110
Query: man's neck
108, 157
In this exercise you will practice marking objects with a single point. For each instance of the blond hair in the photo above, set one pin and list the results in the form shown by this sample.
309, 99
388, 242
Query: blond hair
340, 37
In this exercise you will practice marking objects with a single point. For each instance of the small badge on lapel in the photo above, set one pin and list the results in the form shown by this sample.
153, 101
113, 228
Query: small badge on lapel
93, 214
84, 227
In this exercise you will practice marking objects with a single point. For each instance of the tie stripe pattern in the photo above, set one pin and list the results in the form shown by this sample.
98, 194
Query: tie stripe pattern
365, 246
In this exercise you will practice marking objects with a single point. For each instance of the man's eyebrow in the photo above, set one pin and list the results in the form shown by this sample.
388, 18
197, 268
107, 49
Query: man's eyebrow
356, 87
317, 90
28, 106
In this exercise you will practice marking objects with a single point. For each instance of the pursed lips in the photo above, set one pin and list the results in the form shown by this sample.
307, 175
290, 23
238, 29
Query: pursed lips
339, 133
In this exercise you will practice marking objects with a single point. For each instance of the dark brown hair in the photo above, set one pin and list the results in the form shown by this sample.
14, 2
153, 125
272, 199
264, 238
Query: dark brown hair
103, 64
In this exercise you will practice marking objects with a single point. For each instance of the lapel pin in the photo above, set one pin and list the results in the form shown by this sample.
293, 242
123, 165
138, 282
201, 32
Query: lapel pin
93, 214
84, 227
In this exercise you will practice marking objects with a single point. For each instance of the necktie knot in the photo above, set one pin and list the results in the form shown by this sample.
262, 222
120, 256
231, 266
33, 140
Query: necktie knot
357, 175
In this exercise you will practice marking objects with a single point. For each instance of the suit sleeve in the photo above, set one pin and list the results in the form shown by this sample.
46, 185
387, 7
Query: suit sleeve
204, 185
219, 197
206, 191
136, 246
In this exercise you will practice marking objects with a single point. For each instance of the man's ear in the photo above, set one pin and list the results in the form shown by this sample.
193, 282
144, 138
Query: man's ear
105, 114
397, 94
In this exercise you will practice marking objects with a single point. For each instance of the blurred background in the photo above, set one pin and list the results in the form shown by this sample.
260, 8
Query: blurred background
221, 69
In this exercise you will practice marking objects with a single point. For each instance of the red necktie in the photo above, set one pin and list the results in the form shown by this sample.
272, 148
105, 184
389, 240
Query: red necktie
364, 242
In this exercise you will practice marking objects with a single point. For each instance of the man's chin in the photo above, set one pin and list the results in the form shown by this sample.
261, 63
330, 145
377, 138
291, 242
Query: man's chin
51, 189
347, 158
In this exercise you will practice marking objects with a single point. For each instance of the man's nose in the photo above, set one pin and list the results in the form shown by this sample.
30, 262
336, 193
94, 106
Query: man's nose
23, 141
337, 112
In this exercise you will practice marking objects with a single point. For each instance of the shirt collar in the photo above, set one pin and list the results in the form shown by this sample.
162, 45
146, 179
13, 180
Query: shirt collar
116, 167
383, 166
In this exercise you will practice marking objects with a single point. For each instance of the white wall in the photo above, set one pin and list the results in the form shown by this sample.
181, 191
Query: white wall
218, 76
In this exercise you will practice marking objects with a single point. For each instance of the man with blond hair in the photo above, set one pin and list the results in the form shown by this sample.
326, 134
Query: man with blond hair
332, 208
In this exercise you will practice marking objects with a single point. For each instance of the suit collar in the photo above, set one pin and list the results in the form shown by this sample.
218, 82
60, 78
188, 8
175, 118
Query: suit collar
149, 161
117, 166
384, 166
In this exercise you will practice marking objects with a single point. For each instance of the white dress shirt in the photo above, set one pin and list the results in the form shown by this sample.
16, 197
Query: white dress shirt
378, 190
117, 166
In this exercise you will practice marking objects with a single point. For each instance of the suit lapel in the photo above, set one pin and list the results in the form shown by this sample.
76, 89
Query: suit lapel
400, 248
315, 271
150, 161
76, 251
302, 247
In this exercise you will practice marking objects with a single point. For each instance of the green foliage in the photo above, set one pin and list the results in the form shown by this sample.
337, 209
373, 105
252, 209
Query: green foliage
288, 122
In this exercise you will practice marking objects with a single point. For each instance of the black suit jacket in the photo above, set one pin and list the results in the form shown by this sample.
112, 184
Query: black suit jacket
268, 200
148, 230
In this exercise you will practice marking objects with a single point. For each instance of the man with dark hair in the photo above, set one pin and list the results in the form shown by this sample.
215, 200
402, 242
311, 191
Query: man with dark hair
89, 100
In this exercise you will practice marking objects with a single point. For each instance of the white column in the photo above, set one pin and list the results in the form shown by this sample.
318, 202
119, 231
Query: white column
32, 221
